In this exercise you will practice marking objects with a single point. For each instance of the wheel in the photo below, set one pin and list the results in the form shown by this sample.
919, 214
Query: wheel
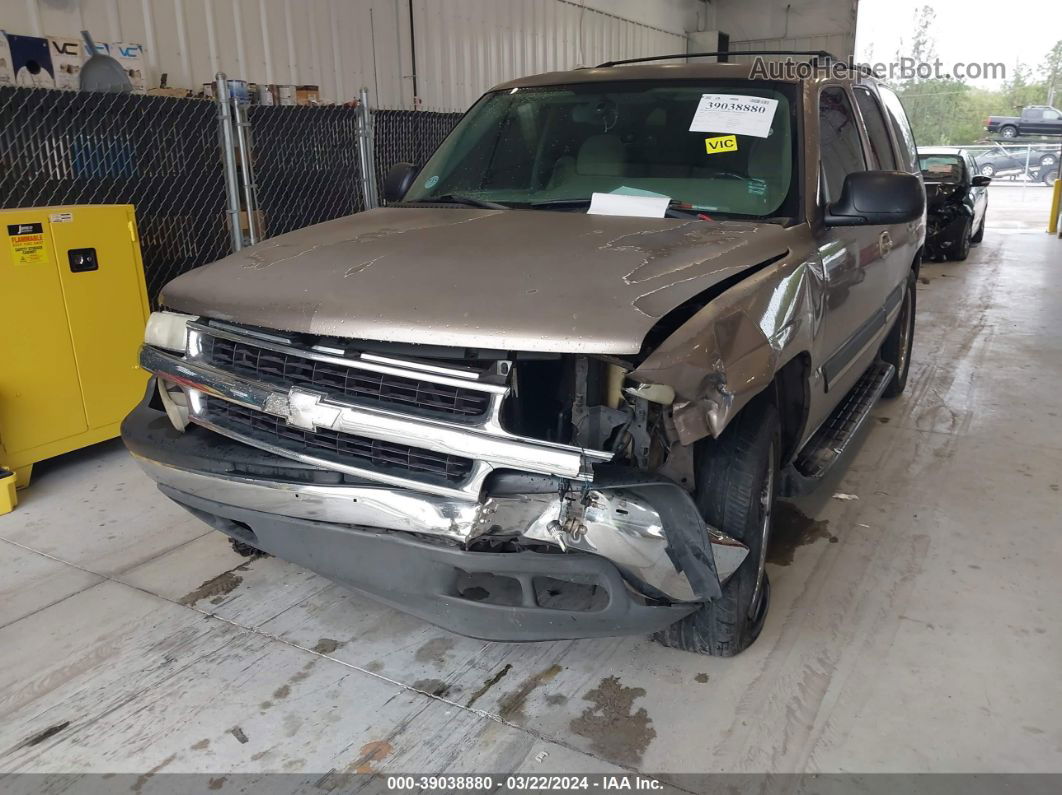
988, 170
1049, 176
736, 487
896, 350
960, 249
1009, 131
246, 550
979, 235
1048, 160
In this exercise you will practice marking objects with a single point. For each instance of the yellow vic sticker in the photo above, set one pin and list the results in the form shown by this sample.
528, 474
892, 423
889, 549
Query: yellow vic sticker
721, 143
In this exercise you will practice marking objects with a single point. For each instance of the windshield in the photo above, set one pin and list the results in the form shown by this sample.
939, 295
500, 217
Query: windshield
941, 168
720, 148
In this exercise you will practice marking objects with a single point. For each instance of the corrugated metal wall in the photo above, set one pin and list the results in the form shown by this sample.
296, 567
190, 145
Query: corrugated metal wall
462, 46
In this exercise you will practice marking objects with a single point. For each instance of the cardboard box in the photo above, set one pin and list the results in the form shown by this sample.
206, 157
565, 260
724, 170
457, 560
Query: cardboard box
67, 56
7, 74
131, 57
307, 95
169, 92
31, 61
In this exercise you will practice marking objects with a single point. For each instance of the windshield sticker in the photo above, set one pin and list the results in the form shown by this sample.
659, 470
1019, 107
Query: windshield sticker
736, 114
756, 187
721, 143
431, 182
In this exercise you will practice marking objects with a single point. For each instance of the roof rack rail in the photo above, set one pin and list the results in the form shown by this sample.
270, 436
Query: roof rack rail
815, 53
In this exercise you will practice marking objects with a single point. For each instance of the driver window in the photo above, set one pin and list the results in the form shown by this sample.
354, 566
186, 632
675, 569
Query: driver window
840, 147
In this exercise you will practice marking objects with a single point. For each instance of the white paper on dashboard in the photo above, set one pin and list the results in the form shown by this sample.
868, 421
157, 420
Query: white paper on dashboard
620, 204
735, 114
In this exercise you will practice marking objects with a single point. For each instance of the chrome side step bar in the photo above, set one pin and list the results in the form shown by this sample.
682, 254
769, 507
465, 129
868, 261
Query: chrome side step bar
832, 438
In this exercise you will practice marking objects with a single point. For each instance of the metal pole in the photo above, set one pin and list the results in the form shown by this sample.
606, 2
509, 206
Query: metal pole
250, 188
228, 159
1028, 177
366, 151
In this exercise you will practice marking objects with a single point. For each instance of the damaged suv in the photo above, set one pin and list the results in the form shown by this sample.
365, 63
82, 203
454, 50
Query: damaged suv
555, 387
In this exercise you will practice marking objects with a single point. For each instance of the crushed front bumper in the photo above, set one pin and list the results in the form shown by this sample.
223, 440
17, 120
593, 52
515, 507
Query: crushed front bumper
500, 567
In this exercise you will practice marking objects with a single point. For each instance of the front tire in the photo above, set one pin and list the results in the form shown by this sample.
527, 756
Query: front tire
961, 248
737, 481
1009, 132
896, 350
988, 170
979, 235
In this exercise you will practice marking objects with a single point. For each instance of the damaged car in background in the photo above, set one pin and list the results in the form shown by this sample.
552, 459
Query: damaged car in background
555, 387
956, 201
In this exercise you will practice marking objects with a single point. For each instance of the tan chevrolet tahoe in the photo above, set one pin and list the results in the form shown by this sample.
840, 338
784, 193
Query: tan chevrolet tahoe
555, 387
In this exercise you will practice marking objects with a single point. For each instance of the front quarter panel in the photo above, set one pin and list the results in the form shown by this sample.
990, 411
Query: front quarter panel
729, 351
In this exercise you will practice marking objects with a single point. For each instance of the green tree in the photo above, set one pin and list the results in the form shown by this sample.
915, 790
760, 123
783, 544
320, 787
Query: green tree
1051, 70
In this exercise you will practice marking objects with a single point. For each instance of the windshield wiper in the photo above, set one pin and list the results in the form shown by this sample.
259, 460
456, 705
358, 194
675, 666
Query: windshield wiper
673, 209
559, 203
454, 198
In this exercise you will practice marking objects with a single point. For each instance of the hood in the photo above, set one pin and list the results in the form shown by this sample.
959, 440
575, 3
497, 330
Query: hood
504, 279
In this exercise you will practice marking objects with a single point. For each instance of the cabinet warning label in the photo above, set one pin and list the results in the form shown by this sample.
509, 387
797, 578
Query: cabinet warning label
27, 243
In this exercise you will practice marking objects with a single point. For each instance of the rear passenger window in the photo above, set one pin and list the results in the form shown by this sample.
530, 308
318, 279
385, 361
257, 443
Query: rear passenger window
840, 146
876, 129
904, 137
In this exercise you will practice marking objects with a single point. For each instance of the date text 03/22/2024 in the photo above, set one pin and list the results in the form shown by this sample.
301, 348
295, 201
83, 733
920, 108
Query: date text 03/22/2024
522, 783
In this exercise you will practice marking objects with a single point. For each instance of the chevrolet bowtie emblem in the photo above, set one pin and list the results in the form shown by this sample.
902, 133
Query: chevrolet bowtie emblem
301, 408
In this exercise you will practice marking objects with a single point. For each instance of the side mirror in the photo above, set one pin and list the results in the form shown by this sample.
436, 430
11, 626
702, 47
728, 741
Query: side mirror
399, 180
980, 181
878, 197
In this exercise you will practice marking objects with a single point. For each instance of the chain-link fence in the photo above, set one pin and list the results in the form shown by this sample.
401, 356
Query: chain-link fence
1026, 162
305, 164
157, 153
408, 135
162, 155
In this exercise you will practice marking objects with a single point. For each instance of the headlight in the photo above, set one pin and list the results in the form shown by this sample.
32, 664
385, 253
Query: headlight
168, 330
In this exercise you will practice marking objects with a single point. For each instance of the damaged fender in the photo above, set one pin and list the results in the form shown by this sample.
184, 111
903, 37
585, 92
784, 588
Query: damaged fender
732, 348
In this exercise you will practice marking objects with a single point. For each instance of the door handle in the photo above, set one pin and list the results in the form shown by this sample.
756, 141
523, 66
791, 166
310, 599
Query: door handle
83, 259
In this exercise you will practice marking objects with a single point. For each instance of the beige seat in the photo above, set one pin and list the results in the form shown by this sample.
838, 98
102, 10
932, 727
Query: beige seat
599, 156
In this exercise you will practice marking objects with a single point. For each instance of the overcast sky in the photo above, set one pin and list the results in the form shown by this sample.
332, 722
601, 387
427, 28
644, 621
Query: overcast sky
965, 30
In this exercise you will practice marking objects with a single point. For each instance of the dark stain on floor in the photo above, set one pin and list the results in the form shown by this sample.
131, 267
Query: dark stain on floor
557, 699
282, 692
488, 684
435, 650
511, 704
41, 736
202, 745
216, 783
791, 529
239, 734
616, 732
327, 645
701, 678
212, 589
434, 687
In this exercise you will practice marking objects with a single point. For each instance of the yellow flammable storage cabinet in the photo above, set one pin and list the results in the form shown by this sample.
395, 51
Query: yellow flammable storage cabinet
73, 306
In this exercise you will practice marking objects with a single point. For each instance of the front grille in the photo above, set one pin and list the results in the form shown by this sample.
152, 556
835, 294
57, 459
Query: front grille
286, 369
398, 459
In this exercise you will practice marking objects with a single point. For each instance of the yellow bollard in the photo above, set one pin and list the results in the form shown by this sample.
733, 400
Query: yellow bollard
8, 498
1056, 201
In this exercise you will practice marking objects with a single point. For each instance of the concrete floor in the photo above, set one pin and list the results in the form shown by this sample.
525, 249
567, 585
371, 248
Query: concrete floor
915, 628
